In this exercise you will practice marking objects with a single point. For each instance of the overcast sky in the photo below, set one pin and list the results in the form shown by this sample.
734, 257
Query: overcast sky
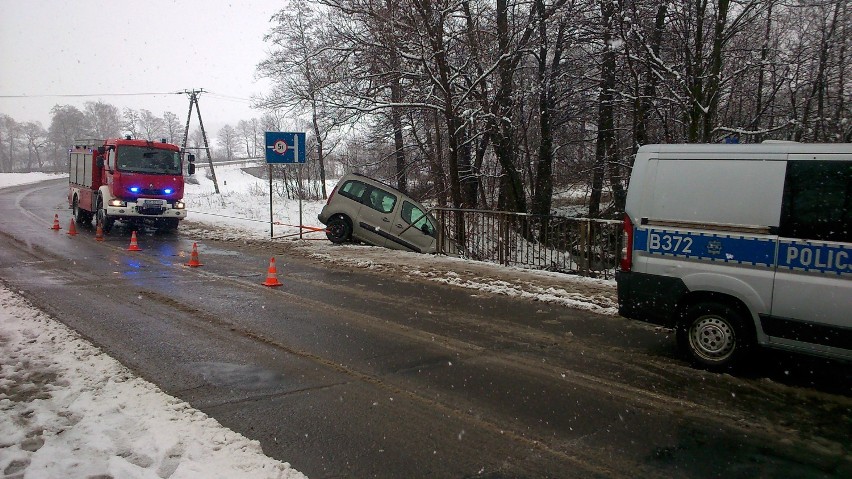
51, 48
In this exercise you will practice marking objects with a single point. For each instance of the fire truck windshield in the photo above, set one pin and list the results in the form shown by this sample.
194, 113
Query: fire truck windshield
139, 159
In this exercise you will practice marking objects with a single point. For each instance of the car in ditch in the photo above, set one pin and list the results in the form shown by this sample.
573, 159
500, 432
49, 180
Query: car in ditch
364, 209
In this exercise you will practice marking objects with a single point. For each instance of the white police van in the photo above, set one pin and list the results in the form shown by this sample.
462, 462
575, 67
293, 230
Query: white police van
739, 246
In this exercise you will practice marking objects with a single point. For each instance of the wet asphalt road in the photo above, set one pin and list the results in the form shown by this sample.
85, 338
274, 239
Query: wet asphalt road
349, 373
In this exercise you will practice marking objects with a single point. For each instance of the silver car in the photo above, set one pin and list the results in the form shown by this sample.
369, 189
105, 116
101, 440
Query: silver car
364, 209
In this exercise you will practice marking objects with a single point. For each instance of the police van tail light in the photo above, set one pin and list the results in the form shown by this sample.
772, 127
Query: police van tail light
627, 245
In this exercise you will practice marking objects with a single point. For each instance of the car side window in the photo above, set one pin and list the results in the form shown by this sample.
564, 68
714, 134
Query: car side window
382, 201
353, 190
413, 215
817, 202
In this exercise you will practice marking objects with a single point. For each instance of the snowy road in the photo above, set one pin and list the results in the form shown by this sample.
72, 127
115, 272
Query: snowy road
411, 371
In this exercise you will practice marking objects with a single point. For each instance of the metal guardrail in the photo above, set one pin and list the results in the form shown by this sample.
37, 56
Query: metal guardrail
584, 246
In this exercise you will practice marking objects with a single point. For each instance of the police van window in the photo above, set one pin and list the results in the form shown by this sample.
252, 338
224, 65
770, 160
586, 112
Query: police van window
353, 190
817, 201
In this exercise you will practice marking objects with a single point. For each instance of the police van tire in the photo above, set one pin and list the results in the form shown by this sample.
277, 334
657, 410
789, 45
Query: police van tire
339, 229
714, 335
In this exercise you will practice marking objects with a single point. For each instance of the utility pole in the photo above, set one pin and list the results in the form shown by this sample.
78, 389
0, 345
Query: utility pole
193, 100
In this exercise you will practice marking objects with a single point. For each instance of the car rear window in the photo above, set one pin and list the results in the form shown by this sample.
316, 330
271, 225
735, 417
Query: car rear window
353, 190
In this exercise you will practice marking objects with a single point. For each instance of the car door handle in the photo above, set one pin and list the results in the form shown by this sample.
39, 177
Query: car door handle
386, 220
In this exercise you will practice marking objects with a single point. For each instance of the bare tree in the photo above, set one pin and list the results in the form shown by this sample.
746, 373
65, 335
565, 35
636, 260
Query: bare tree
130, 122
505, 104
250, 136
66, 125
150, 125
828, 22
228, 141
10, 132
172, 127
36, 138
306, 65
102, 120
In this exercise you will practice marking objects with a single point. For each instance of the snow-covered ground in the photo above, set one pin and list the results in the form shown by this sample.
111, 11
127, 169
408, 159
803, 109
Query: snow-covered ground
69, 410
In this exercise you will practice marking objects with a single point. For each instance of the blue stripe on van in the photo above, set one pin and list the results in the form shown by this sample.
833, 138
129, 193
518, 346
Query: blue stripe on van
726, 248
739, 249
809, 256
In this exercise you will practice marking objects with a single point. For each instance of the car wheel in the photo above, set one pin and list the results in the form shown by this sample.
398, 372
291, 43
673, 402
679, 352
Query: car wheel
339, 230
715, 336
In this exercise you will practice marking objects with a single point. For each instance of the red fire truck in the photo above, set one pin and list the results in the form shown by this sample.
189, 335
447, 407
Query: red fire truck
132, 181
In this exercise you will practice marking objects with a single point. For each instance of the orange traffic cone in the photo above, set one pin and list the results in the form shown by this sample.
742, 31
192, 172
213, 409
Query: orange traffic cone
134, 246
193, 257
272, 275
56, 226
72, 230
99, 233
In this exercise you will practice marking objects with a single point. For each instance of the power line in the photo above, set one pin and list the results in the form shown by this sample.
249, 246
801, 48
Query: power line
219, 96
77, 95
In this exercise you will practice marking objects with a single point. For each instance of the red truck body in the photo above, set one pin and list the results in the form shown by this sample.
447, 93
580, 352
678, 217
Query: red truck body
127, 180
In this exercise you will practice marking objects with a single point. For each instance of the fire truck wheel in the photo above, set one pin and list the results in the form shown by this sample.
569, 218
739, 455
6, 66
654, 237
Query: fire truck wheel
168, 225
103, 220
81, 216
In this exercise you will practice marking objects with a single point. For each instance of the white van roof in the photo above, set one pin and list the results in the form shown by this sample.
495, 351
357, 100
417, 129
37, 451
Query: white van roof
773, 147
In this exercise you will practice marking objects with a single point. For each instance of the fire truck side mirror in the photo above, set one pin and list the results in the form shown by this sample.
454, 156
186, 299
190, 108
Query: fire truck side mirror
100, 162
101, 150
191, 158
190, 168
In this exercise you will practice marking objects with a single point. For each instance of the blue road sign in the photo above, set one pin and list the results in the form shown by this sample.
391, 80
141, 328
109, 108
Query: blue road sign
285, 147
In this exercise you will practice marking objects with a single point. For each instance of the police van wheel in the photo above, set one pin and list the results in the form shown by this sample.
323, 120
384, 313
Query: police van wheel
714, 336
